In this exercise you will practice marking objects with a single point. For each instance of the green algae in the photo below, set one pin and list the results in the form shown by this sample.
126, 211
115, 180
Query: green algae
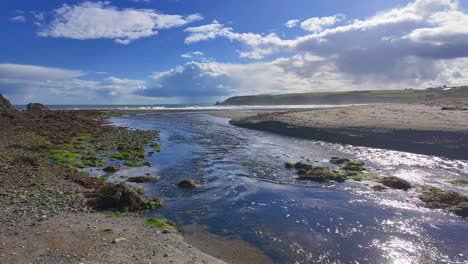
153, 203
459, 182
160, 223
339, 160
156, 146
65, 157
133, 163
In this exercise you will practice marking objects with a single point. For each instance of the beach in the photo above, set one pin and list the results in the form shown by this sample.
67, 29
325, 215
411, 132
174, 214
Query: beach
90, 186
418, 128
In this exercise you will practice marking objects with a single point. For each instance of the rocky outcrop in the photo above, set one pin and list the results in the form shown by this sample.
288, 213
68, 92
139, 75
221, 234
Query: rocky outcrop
36, 108
5, 106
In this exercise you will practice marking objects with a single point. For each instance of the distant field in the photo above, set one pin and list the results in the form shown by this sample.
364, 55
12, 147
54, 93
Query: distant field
354, 97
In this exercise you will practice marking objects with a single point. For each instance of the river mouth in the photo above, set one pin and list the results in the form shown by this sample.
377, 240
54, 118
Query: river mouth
248, 196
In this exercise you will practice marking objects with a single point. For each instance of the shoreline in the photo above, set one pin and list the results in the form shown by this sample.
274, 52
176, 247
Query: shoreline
418, 129
53, 212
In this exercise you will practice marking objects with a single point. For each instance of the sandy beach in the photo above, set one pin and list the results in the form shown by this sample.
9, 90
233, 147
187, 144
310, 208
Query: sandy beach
418, 128
371, 117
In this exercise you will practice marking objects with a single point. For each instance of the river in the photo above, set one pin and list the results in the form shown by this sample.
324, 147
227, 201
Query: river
249, 201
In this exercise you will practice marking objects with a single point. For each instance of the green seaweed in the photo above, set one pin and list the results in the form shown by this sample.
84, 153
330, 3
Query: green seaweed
459, 182
160, 223
156, 146
65, 157
133, 163
153, 203
91, 160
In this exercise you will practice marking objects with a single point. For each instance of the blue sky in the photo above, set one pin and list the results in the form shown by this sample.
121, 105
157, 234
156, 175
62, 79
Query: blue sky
201, 51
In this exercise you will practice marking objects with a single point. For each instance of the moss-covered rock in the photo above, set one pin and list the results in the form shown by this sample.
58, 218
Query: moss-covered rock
143, 179
118, 197
153, 203
396, 183
187, 183
303, 166
449, 200
112, 169
339, 160
322, 174
289, 165
354, 165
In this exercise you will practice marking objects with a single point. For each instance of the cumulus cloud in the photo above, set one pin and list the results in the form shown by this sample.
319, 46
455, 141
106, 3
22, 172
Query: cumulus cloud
317, 24
291, 23
95, 20
18, 19
25, 83
194, 81
406, 46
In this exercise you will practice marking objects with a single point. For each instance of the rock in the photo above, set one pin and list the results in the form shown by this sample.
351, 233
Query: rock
187, 183
36, 108
339, 160
153, 203
378, 188
5, 106
303, 166
147, 164
460, 210
354, 165
289, 165
439, 199
142, 179
112, 169
322, 174
396, 183
120, 197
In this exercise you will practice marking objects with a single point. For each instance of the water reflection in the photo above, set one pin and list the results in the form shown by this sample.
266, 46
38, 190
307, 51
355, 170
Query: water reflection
249, 195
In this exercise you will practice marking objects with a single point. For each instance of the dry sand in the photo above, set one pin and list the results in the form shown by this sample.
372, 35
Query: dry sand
375, 117
81, 238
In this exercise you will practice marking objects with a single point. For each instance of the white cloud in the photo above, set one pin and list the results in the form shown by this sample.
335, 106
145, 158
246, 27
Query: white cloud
25, 83
95, 20
317, 24
193, 54
406, 46
291, 23
18, 19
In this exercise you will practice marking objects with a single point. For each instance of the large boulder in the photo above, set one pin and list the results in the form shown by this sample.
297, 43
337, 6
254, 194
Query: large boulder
5, 106
118, 197
36, 107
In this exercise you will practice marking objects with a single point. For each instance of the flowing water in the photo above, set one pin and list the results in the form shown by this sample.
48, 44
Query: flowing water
248, 195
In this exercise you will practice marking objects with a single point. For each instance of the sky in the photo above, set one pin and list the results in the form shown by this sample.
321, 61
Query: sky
203, 51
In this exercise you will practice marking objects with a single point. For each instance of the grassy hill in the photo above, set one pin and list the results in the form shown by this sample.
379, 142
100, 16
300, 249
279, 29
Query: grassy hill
354, 97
